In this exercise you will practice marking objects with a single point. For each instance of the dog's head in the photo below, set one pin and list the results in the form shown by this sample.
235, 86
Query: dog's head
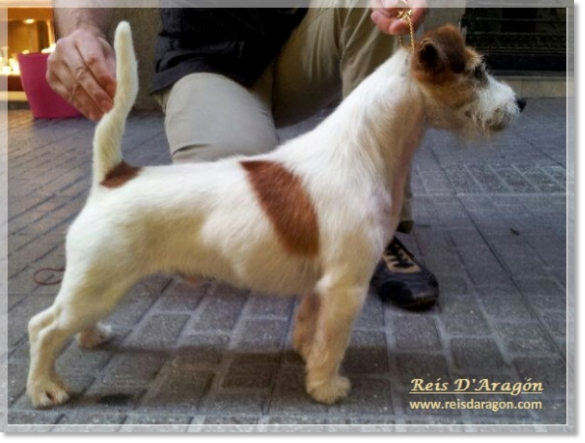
461, 94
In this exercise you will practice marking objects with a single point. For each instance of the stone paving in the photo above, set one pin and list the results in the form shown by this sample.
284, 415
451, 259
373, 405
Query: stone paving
491, 223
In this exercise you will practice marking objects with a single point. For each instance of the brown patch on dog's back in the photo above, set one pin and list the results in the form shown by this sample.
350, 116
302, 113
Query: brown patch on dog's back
120, 175
287, 205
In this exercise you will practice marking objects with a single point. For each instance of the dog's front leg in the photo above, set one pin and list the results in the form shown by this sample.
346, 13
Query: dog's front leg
339, 305
305, 324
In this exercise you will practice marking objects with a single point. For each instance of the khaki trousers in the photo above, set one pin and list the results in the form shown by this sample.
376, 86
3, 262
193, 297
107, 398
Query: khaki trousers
208, 116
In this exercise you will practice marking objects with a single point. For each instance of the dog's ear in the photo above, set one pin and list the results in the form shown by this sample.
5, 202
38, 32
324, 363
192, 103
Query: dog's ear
428, 64
438, 54
429, 56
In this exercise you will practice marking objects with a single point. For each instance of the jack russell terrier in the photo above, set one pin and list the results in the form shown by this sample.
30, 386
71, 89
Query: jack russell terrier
312, 217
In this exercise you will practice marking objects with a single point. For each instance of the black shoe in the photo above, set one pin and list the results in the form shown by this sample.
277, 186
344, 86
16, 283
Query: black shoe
401, 279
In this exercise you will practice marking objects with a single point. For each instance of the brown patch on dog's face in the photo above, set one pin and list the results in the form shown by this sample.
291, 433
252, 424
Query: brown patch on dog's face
120, 175
461, 94
439, 55
287, 205
446, 67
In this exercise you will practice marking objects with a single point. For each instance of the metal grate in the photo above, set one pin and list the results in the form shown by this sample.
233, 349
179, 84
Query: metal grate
519, 39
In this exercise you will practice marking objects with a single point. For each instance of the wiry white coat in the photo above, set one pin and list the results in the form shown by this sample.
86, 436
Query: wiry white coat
206, 220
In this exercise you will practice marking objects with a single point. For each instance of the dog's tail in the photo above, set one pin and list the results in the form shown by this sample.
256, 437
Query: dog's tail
107, 141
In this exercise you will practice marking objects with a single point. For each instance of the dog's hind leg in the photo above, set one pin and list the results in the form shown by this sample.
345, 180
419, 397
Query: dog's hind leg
94, 336
339, 305
81, 303
44, 386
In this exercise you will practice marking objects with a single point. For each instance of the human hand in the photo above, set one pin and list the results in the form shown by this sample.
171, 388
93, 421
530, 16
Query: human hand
82, 71
385, 15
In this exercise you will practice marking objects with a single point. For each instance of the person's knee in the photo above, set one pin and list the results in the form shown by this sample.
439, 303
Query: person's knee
209, 117
226, 145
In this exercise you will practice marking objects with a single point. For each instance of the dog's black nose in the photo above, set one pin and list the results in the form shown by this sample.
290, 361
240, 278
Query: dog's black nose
521, 102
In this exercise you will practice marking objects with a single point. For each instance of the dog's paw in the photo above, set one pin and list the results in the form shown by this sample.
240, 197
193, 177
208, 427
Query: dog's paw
47, 394
95, 336
330, 391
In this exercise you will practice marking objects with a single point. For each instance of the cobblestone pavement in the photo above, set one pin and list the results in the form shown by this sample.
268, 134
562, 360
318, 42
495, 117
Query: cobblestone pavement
491, 223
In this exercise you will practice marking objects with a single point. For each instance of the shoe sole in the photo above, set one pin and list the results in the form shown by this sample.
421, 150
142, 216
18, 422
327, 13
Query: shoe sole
421, 305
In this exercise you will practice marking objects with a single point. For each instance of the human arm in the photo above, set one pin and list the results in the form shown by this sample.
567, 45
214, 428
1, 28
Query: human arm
82, 67
385, 14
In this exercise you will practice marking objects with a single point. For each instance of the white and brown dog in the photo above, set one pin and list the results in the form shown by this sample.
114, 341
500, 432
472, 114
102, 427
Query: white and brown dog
311, 218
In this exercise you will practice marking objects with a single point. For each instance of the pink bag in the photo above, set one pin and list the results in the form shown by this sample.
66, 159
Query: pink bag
43, 101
